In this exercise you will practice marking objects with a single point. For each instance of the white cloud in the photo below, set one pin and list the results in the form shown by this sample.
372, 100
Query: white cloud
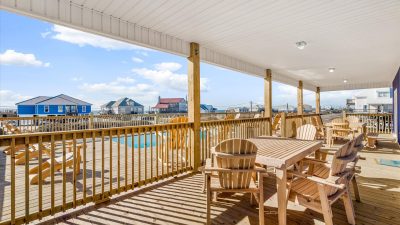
77, 78
164, 76
11, 57
45, 34
8, 98
87, 39
143, 53
137, 60
168, 66
122, 87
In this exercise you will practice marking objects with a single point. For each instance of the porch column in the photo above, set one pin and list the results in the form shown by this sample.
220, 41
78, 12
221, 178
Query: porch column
300, 98
268, 99
194, 101
318, 101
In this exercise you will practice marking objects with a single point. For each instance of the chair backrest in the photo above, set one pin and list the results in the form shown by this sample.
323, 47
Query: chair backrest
276, 122
179, 119
237, 116
339, 164
306, 132
338, 124
176, 138
352, 119
13, 129
229, 117
234, 154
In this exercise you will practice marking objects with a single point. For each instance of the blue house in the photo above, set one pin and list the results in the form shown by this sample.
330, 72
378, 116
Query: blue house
59, 105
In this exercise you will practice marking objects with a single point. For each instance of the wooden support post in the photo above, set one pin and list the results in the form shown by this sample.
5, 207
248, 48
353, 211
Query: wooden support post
300, 98
283, 125
318, 101
344, 115
268, 99
194, 101
91, 121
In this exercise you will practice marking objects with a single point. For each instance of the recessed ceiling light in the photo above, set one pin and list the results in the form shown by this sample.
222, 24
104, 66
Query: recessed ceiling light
301, 45
331, 70
344, 81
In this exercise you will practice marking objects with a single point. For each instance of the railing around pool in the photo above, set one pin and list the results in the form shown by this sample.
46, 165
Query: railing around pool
72, 168
67, 123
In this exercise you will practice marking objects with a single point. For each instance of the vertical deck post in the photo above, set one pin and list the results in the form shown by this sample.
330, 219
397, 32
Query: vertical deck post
300, 98
194, 100
318, 101
268, 99
283, 125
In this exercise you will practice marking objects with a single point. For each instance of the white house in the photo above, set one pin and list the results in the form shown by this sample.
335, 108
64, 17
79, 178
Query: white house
122, 106
373, 100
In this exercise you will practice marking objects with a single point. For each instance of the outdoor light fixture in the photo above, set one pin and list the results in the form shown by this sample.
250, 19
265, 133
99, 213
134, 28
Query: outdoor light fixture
344, 81
301, 45
331, 70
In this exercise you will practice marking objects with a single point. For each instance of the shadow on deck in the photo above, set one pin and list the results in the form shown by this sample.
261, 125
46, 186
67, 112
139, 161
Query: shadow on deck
181, 201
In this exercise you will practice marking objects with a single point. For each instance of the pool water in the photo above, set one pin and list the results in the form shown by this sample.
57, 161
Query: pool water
136, 140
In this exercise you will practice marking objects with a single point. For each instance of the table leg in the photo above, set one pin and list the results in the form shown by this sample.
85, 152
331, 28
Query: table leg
281, 182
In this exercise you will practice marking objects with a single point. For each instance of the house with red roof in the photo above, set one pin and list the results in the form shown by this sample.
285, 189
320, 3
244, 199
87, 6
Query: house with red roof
170, 105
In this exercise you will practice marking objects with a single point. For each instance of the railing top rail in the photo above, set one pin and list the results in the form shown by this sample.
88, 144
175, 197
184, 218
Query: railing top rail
240, 120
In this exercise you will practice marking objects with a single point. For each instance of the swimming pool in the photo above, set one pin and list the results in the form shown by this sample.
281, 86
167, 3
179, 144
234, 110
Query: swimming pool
148, 143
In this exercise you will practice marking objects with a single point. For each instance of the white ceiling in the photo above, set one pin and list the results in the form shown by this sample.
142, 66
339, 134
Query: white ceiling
360, 38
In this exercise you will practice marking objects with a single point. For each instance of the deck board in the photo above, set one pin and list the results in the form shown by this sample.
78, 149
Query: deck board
181, 201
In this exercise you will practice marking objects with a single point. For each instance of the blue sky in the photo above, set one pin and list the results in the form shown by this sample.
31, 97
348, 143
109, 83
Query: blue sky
39, 58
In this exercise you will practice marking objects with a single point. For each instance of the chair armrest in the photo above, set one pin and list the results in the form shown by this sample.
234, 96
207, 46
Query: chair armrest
331, 181
314, 161
210, 169
342, 129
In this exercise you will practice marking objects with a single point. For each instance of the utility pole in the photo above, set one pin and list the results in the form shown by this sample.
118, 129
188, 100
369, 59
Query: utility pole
251, 106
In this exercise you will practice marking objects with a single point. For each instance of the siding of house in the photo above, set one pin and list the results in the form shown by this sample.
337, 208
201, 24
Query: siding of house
26, 109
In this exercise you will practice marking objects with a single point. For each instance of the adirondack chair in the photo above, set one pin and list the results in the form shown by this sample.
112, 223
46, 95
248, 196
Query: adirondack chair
340, 129
352, 119
174, 141
323, 167
235, 159
306, 132
20, 159
58, 164
276, 123
11, 129
317, 122
318, 194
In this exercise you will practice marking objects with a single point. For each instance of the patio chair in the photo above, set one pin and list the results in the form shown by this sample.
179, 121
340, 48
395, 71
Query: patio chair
318, 194
174, 142
276, 124
352, 119
317, 122
340, 130
58, 164
20, 158
306, 132
236, 171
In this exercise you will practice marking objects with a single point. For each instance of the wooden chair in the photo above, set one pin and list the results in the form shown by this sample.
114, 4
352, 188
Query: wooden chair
276, 123
340, 129
174, 141
306, 132
58, 164
317, 122
236, 171
352, 119
20, 158
318, 194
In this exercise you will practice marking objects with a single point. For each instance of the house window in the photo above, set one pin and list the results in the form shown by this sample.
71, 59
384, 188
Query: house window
60, 108
46, 109
73, 108
383, 94
84, 108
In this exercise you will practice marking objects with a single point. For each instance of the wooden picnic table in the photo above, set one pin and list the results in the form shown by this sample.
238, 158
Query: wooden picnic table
282, 153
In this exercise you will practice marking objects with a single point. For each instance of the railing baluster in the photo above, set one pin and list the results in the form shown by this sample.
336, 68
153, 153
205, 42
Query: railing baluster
13, 180
52, 157
26, 179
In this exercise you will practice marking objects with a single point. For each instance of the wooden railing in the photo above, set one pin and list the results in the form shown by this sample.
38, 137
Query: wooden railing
67, 123
86, 166
213, 132
376, 122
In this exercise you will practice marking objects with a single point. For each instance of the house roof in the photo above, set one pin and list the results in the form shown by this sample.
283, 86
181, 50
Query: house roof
33, 101
161, 106
171, 100
108, 104
125, 102
56, 100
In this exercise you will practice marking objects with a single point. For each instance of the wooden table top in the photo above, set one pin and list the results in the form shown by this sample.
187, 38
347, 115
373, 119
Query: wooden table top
282, 152
351, 125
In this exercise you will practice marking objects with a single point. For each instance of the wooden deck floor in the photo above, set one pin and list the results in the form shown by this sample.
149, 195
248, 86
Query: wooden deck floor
181, 201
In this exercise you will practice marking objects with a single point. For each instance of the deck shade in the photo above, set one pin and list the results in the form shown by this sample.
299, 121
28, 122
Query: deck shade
250, 36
